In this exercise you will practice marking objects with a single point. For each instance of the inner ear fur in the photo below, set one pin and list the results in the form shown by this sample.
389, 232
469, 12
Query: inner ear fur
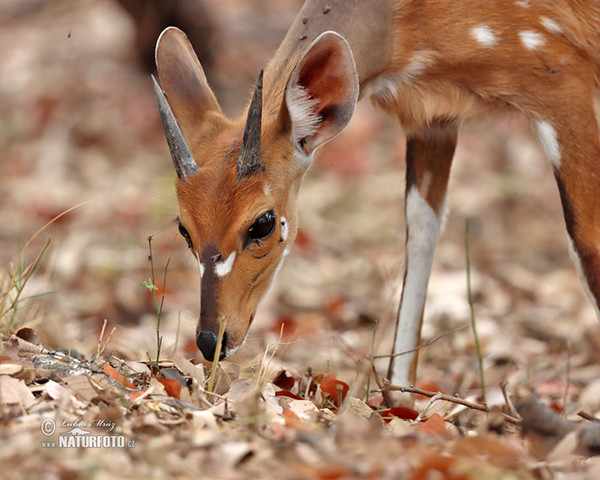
322, 92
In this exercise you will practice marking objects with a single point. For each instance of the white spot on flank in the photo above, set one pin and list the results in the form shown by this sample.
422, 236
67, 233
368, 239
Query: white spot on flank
523, 3
423, 231
532, 40
548, 139
551, 25
284, 229
484, 35
223, 268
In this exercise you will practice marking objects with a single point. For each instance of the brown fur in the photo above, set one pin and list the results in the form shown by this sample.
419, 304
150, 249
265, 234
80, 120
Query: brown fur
420, 61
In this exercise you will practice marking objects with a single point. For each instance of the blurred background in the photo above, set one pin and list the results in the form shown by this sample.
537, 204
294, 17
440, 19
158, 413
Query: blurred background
79, 128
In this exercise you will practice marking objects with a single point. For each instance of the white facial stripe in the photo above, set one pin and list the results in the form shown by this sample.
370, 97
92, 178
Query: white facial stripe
484, 35
284, 229
532, 40
200, 266
223, 268
548, 139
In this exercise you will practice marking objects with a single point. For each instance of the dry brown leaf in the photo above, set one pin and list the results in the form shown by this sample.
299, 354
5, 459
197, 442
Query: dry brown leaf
13, 391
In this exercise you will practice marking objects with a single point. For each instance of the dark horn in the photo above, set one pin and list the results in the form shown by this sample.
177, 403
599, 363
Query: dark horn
250, 159
182, 157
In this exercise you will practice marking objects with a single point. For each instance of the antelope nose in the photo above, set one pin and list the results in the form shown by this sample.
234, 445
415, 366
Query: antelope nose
207, 344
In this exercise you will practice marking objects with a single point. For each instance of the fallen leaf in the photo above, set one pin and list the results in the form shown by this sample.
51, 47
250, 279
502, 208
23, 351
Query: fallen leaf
434, 425
172, 387
336, 389
116, 376
15, 392
404, 413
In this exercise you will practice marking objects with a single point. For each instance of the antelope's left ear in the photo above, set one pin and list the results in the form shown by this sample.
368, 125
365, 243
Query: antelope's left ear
322, 92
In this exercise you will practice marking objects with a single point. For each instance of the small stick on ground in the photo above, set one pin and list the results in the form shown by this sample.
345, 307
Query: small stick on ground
448, 398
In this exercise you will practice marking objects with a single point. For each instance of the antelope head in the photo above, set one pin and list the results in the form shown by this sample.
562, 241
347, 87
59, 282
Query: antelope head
237, 181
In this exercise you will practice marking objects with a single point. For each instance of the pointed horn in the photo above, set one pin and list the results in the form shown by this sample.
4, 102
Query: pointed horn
250, 159
182, 157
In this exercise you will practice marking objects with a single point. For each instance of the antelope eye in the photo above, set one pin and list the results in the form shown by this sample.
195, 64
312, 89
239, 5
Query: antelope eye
262, 227
184, 233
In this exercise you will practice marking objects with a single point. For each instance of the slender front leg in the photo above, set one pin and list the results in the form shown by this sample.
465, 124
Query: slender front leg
571, 139
428, 160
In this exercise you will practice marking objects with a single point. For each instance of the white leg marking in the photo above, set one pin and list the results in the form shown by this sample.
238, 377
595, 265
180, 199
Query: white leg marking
284, 229
423, 231
484, 35
223, 268
549, 141
532, 40
579, 268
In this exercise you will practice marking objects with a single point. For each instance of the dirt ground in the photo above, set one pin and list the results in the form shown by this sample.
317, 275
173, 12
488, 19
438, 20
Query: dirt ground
79, 132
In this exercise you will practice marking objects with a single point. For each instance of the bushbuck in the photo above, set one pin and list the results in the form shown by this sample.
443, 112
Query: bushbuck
433, 64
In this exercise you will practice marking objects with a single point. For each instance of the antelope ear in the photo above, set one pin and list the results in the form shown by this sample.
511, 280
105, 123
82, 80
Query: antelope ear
183, 80
322, 92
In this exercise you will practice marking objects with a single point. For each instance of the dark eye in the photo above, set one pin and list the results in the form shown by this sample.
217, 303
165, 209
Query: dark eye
186, 235
262, 227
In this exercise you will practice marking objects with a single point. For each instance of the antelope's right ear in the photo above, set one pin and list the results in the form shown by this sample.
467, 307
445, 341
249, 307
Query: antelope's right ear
183, 80
322, 92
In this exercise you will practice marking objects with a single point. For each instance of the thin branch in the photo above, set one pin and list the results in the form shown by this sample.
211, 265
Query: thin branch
448, 398
423, 345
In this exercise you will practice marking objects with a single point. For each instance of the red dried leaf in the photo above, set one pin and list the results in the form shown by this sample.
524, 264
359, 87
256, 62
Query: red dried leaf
434, 425
172, 387
134, 395
404, 413
336, 389
285, 393
286, 326
116, 376
284, 380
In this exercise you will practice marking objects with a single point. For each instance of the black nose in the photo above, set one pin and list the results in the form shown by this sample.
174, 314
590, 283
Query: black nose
207, 343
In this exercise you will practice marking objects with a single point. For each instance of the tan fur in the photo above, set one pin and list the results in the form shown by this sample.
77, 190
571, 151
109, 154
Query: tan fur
431, 63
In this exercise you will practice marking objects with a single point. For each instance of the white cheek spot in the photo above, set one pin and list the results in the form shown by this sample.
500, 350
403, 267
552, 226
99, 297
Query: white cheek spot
532, 40
551, 25
548, 139
484, 35
223, 268
284, 229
